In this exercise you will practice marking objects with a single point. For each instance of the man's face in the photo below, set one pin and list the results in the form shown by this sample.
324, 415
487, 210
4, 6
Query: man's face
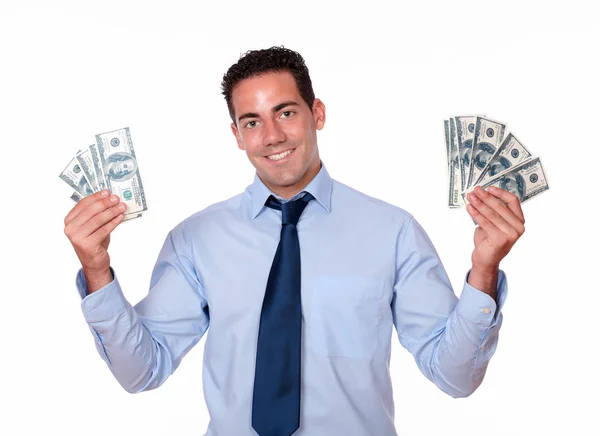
271, 119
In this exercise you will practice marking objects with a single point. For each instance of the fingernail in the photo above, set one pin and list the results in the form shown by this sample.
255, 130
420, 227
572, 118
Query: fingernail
492, 188
104, 192
122, 206
113, 198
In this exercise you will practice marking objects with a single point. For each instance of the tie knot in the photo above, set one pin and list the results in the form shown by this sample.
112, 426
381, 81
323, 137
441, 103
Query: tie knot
290, 210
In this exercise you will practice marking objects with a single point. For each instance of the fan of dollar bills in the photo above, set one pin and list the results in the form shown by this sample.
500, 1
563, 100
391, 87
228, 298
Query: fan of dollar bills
111, 164
479, 153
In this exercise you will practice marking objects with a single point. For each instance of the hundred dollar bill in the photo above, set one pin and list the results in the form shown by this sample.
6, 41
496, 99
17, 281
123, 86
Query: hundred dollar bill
447, 137
465, 132
454, 182
84, 158
76, 197
130, 216
117, 166
488, 136
97, 166
74, 176
510, 153
525, 180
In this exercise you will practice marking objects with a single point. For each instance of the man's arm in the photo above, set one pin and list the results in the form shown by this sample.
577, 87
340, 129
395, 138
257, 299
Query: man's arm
141, 345
453, 340
88, 226
485, 280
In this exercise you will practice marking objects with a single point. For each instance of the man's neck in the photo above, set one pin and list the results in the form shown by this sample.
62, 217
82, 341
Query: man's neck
287, 192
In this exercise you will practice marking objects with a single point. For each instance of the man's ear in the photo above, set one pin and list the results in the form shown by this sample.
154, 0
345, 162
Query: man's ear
235, 132
319, 116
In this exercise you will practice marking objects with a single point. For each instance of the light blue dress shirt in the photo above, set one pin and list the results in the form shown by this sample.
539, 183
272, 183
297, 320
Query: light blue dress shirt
366, 266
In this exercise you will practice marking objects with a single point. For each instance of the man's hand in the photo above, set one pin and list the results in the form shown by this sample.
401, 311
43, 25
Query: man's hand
501, 223
88, 227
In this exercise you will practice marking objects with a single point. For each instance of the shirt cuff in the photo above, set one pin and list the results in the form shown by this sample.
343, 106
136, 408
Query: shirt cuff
479, 306
103, 304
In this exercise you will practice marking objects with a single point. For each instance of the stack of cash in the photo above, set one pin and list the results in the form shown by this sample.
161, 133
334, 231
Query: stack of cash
111, 164
479, 153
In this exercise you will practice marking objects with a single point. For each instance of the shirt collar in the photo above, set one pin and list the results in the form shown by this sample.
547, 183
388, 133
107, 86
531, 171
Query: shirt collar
320, 188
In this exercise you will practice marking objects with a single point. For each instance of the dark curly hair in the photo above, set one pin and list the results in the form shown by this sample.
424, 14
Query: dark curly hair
256, 62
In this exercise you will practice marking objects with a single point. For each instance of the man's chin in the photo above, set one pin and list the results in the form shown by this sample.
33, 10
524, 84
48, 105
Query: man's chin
279, 180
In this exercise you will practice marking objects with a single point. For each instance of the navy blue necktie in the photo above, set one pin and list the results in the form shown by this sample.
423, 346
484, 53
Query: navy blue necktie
276, 399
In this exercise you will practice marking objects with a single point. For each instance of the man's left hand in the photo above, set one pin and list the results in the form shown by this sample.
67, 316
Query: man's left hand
501, 224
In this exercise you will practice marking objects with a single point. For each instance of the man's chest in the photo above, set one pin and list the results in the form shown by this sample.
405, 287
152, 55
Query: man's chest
346, 287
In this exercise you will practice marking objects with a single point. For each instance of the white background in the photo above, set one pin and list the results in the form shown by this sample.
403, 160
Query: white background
389, 73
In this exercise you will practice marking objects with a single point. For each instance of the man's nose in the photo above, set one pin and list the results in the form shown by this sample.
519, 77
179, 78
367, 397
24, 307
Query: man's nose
274, 134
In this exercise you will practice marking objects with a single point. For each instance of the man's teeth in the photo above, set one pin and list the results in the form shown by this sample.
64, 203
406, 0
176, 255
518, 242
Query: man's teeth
280, 155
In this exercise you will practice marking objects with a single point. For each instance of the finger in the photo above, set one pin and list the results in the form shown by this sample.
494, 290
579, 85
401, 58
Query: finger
483, 223
511, 200
101, 233
490, 214
100, 219
500, 207
94, 209
83, 203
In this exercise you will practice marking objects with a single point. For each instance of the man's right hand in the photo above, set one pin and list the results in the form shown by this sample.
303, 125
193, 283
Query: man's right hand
88, 226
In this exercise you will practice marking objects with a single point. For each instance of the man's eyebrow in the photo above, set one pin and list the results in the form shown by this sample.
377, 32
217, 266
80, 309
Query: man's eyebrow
275, 109
284, 104
248, 115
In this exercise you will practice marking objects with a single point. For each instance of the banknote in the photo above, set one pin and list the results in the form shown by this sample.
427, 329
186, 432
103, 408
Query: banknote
76, 197
526, 180
84, 158
97, 166
465, 132
118, 167
110, 163
481, 151
511, 152
130, 216
74, 176
454, 182
447, 136
488, 136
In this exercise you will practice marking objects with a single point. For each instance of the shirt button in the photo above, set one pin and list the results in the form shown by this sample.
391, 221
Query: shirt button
486, 310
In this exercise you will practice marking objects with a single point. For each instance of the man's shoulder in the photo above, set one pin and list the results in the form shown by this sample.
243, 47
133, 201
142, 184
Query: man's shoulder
218, 210
367, 203
214, 213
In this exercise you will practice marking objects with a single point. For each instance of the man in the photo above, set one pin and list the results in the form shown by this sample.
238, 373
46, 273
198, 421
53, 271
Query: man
300, 279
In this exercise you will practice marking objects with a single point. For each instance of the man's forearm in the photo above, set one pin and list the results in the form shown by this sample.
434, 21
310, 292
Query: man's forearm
96, 280
122, 341
129, 350
484, 280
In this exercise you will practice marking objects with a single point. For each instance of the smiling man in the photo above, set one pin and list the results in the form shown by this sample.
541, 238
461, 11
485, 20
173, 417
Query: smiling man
276, 127
298, 280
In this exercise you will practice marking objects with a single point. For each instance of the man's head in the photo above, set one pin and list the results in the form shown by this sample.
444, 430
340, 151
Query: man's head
272, 105
257, 62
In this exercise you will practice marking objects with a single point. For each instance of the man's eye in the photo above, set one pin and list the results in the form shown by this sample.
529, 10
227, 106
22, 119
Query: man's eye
251, 124
287, 114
